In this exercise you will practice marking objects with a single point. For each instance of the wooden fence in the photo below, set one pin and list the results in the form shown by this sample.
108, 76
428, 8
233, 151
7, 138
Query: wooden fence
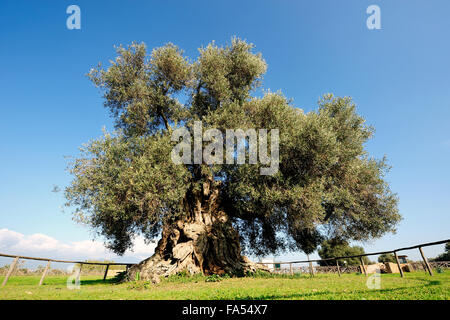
47, 267
328, 269
341, 269
417, 266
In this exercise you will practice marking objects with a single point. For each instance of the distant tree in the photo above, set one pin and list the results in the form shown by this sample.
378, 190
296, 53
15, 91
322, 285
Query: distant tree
444, 256
387, 257
339, 248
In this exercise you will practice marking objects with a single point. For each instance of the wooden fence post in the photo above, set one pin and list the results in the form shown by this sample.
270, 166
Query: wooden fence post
398, 265
106, 272
79, 273
426, 262
311, 269
363, 266
290, 269
45, 272
338, 269
10, 271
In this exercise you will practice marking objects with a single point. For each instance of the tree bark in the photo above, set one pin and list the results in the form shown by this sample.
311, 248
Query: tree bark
203, 241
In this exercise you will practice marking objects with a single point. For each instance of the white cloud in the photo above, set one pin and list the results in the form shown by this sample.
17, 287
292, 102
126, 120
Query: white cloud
41, 245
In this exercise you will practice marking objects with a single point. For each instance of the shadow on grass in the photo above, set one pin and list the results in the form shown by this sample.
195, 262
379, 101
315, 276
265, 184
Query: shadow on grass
94, 282
327, 293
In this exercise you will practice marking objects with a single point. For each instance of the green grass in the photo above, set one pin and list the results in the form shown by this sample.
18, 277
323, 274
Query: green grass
323, 286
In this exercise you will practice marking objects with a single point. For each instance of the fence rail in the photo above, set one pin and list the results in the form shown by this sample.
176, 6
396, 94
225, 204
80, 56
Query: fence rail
339, 269
65, 261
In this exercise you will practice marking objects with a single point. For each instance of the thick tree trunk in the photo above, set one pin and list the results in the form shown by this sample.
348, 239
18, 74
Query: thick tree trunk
203, 241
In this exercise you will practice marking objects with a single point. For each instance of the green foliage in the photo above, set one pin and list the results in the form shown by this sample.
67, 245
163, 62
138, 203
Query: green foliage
126, 184
444, 256
184, 277
138, 88
123, 187
387, 257
340, 248
139, 285
213, 278
270, 275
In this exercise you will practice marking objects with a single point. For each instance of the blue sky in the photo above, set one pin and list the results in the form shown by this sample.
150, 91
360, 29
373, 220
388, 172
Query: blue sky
398, 76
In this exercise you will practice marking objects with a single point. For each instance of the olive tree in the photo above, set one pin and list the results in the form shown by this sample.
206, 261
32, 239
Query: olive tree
207, 216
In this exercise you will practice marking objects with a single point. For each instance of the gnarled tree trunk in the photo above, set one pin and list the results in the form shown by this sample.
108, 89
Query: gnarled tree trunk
203, 241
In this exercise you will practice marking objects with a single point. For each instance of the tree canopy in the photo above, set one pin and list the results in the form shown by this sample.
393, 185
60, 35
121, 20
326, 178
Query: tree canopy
339, 248
126, 184
387, 257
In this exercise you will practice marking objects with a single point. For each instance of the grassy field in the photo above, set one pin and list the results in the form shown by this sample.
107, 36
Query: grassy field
300, 287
